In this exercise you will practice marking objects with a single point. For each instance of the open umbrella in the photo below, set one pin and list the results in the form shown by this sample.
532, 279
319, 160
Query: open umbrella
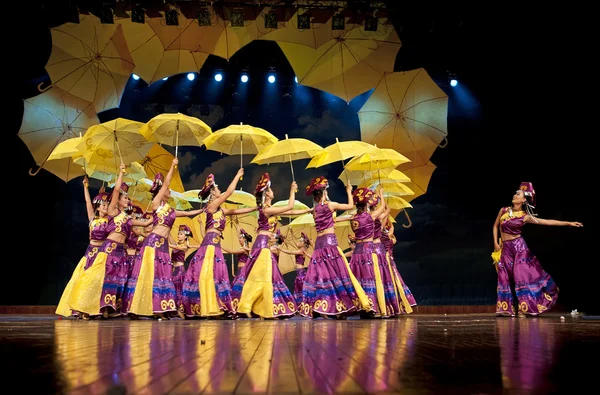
407, 112
175, 130
90, 60
50, 118
346, 65
239, 139
298, 205
117, 140
287, 150
159, 160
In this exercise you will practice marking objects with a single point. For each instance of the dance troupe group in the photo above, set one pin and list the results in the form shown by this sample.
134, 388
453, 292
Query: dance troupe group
127, 269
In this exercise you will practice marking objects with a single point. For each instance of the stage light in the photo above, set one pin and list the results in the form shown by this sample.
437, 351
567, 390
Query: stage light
171, 17
204, 17
237, 19
107, 15
135, 76
218, 77
304, 21
138, 15
166, 78
296, 79
271, 79
244, 78
452, 79
271, 21
338, 22
191, 76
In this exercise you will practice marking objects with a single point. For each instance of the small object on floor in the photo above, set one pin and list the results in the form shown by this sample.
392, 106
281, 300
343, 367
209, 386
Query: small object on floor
202, 342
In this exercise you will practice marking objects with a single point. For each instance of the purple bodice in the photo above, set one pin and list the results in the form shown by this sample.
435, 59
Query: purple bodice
177, 255
165, 215
216, 220
362, 226
120, 223
511, 225
242, 259
266, 223
377, 229
99, 229
300, 259
323, 217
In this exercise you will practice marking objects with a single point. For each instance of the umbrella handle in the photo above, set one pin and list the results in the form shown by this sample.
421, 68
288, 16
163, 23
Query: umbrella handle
408, 218
444, 142
292, 167
34, 173
241, 153
43, 89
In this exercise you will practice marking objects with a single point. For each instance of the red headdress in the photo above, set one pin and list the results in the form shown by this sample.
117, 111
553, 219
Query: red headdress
157, 184
208, 184
528, 191
263, 184
362, 195
124, 188
316, 184
246, 235
374, 200
101, 198
137, 211
304, 238
186, 230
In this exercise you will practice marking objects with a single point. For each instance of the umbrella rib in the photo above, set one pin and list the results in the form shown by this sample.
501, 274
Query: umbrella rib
405, 91
431, 126
317, 61
358, 59
423, 101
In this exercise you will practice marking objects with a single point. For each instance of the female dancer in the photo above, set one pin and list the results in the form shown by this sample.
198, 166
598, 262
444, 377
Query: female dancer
206, 287
391, 287
534, 289
150, 290
300, 256
259, 287
100, 288
364, 262
243, 253
330, 288
97, 211
179, 249
407, 300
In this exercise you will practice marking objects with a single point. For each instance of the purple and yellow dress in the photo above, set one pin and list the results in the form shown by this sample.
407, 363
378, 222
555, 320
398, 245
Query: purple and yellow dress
259, 287
98, 232
131, 243
103, 283
390, 288
242, 260
536, 292
150, 289
178, 261
330, 287
206, 287
299, 281
407, 299
364, 263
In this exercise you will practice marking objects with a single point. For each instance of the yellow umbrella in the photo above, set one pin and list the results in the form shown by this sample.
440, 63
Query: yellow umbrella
390, 186
298, 205
66, 149
347, 65
339, 151
103, 143
196, 238
133, 173
242, 198
286, 262
406, 112
239, 139
50, 118
140, 191
287, 150
359, 177
395, 202
145, 48
159, 160
175, 130
420, 176
378, 158
90, 60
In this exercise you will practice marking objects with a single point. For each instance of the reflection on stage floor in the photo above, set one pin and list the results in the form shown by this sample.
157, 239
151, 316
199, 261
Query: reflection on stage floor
417, 354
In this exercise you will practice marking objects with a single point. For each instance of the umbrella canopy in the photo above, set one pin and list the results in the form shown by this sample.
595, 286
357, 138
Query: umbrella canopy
298, 205
339, 152
347, 65
49, 119
159, 160
176, 129
408, 113
376, 159
90, 60
114, 141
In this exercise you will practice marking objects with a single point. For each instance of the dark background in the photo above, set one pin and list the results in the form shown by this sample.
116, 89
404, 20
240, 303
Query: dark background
519, 113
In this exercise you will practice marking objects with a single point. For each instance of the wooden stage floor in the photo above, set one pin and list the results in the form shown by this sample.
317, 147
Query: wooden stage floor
473, 354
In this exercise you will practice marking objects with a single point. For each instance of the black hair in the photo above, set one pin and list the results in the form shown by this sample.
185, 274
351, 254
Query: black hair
259, 198
361, 207
317, 195
247, 236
